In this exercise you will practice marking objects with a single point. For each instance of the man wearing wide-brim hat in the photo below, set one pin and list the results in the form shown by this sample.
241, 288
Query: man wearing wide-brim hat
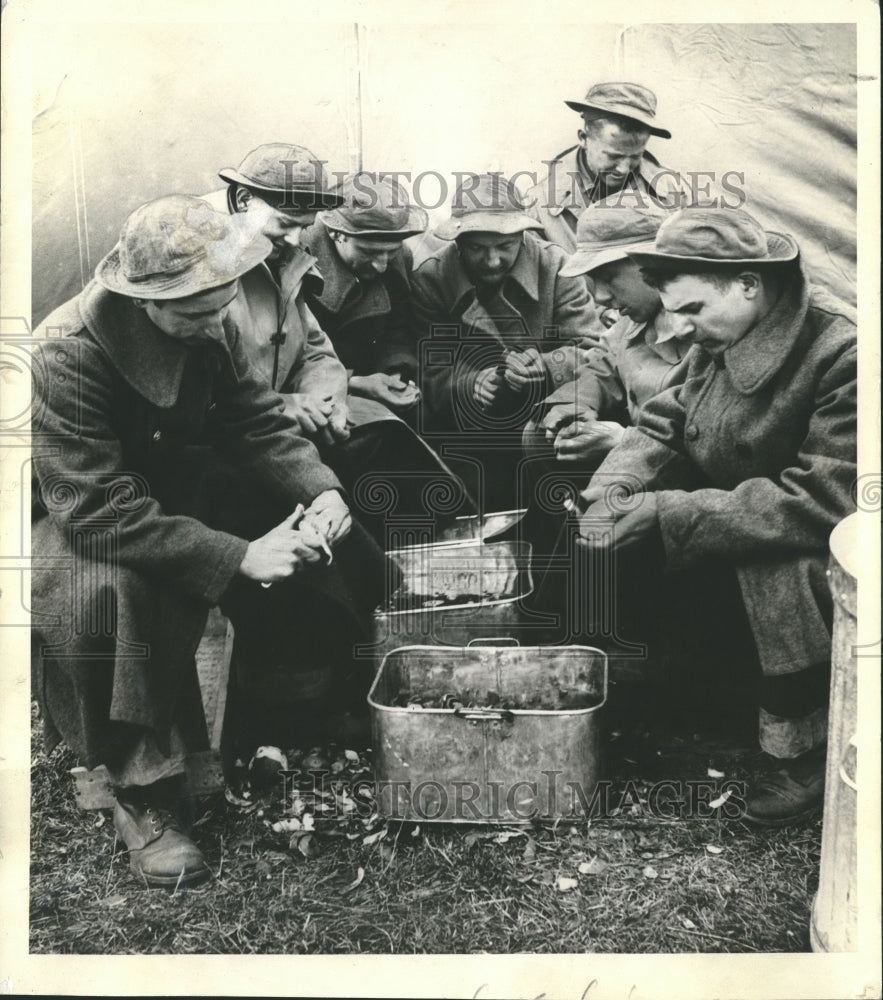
280, 187
619, 118
499, 324
131, 375
364, 305
750, 464
639, 356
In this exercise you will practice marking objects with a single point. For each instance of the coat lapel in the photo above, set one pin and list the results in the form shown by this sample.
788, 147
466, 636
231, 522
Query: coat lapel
752, 361
148, 359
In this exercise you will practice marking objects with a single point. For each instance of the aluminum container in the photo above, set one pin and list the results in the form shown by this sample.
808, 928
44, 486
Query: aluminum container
534, 753
477, 528
451, 594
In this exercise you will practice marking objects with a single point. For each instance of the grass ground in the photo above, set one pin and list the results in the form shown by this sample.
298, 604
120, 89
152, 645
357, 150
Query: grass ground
650, 884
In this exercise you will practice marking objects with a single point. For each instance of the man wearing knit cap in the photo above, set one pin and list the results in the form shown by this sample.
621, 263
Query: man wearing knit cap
750, 464
132, 374
611, 155
500, 326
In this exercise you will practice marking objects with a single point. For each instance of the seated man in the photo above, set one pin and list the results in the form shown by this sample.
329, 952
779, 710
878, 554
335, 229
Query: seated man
365, 303
639, 356
280, 187
146, 365
611, 156
577, 425
500, 328
749, 464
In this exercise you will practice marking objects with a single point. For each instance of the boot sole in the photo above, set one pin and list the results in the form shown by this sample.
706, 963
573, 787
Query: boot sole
171, 881
783, 820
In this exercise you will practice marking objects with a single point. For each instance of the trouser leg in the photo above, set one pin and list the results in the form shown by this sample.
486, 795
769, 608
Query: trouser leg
790, 611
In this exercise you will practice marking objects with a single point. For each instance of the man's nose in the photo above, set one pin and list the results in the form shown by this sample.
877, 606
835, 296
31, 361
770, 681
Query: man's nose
380, 264
602, 294
683, 326
492, 261
292, 236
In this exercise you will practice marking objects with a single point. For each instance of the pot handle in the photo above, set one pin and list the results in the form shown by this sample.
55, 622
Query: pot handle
491, 714
502, 640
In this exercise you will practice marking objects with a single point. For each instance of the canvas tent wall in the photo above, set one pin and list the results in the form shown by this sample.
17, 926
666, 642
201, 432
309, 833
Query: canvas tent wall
125, 112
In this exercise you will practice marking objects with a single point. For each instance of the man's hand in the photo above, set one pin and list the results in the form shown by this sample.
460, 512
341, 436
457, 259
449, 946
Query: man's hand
330, 516
279, 554
560, 415
524, 368
583, 440
310, 412
337, 429
488, 386
391, 390
628, 527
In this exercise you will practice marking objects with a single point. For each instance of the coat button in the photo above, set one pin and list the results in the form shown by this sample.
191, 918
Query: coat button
691, 432
157, 435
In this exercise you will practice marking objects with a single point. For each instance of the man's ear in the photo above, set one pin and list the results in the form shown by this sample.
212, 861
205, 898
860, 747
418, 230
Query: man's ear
241, 198
140, 303
337, 235
581, 135
750, 283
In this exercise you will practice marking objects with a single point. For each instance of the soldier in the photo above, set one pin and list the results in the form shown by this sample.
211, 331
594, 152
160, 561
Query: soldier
500, 325
750, 464
148, 367
358, 425
618, 120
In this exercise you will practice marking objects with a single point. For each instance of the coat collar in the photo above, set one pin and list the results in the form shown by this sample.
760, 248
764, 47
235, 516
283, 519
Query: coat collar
298, 268
752, 361
340, 282
524, 273
658, 335
148, 359
567, 173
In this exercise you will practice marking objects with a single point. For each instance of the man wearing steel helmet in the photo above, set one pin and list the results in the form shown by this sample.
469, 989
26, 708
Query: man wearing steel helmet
131, 375
750, 464
618, 120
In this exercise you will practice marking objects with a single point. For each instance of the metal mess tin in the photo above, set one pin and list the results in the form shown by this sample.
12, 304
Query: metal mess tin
451, 594
509, 748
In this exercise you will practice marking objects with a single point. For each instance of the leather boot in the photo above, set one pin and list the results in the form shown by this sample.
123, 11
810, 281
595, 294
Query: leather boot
793, 792
159, 852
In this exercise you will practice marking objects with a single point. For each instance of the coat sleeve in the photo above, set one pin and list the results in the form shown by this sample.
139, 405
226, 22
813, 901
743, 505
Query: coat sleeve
252, 429
397, 354
598, 385
441, 377
650, 456
319, 371
792, 514
82, 477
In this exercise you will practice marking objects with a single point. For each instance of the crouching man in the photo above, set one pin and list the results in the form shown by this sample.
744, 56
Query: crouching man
749, 464
141, 366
